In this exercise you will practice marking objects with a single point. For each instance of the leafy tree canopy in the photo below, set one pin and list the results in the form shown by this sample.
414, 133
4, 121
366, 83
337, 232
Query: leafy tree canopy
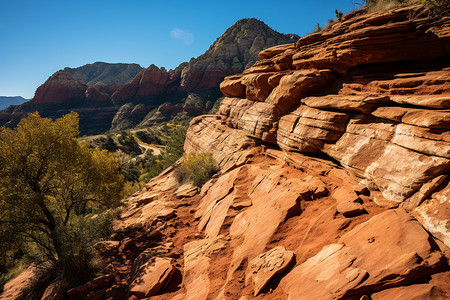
49, 182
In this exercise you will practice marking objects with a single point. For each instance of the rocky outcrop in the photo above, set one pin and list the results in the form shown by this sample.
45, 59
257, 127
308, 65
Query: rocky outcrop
370, 93
60, 88
333, 180
334, 158
391, 131
374, 255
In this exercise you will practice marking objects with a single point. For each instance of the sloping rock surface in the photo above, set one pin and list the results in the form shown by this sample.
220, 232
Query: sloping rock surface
333, 182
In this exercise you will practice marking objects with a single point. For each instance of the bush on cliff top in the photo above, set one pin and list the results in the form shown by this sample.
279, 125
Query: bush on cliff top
197, 168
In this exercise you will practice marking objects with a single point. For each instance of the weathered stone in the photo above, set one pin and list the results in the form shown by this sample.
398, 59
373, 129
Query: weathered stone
350, 209
434, 213
149, 275
267, 265
197, 264
186, 190
298, 84
390, 245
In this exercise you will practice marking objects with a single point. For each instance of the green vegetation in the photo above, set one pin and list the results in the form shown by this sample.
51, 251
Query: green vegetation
197, 168
55, 193
318, 28
139, 169
153, 165
128, 143
339, 15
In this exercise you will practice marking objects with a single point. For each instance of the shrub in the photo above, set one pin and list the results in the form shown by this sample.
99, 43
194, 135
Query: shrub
197, 168
129, 144
109, 144
318, 28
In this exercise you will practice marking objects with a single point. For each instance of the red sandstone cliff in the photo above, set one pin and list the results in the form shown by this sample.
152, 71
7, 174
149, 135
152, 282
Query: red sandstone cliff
334, 181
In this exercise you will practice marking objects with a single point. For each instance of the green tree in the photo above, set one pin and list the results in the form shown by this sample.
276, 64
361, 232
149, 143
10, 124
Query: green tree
339, 15
49, 183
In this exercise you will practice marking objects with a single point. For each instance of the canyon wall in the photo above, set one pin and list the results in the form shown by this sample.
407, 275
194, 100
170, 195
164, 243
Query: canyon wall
334, 157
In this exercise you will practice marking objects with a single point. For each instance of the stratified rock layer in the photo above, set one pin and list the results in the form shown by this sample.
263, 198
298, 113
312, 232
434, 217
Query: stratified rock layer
333, 183
321, 96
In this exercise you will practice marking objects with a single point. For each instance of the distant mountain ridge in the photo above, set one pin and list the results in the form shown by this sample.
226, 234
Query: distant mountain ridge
108, 96
105, 73
6, 101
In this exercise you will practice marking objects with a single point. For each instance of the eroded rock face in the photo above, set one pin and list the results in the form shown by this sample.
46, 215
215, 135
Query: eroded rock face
328, 156
60, 88
320, 96
385, 251
333, 94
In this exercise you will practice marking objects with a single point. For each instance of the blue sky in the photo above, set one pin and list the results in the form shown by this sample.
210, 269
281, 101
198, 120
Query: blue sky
38, 38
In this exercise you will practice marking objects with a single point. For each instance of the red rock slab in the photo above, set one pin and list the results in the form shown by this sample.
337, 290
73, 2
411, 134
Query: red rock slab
257, 86
361, 190
306, 129
363, 104
427, 118
425, 190
412, 292
272, 51
434, 213
150, 275
350, 209
232, 86
297, 85
431, 101
424, 140
267, 265
396, 171
378, 43
390, 249
217, 191
344, 194
197, 263
226, 104
209, 134
186, 190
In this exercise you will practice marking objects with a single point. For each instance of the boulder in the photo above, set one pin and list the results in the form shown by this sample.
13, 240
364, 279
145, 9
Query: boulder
268, 265
149, 275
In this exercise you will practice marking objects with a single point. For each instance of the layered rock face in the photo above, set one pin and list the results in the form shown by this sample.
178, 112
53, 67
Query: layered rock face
371, 93
321, 96
333, 182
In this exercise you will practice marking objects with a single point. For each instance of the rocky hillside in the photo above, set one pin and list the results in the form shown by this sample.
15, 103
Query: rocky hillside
334, 183
117, 96
105, 73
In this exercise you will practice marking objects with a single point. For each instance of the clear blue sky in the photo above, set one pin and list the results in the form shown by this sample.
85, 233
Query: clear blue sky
40, 37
